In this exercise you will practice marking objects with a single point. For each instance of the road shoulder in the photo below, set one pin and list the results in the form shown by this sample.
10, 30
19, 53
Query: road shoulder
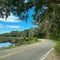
52, 56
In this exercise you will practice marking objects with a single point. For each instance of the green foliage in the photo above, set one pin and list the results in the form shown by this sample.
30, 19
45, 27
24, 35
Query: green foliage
58, 46
17, 7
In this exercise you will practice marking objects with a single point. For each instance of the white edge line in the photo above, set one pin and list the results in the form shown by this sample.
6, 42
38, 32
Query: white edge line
47, 53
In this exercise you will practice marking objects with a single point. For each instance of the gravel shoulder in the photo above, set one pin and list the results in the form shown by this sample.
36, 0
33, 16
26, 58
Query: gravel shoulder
52, 56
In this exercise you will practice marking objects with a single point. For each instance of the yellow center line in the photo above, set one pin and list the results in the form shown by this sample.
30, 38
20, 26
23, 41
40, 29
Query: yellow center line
20, 51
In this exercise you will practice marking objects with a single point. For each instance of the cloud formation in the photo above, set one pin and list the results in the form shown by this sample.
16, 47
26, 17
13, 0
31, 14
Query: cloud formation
26, 1
9, 26
11, 19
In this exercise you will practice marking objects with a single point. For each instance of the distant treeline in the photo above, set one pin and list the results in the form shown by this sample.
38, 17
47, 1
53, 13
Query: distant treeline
13, 39
30, 33
21, 36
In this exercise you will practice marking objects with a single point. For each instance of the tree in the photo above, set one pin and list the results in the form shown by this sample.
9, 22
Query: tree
51, 21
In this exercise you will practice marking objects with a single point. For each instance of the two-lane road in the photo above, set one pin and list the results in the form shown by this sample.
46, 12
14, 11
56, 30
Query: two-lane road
30, 52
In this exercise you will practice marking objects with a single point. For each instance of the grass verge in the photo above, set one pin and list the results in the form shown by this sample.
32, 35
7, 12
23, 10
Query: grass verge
57, 47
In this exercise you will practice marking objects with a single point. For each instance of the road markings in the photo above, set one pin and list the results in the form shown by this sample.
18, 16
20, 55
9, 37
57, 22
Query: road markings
47, 54
20, 51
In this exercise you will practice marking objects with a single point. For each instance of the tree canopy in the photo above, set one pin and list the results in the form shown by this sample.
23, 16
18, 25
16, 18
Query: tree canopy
20, 7
48, 21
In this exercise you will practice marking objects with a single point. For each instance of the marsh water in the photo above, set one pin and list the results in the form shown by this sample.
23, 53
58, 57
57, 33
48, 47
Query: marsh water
6, 44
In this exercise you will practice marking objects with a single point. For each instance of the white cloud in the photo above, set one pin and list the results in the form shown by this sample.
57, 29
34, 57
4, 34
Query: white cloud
9, 26
45, 7
1, 19
26, 1
11, 18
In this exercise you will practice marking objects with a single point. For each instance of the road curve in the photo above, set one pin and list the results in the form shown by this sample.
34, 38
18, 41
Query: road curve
30, 52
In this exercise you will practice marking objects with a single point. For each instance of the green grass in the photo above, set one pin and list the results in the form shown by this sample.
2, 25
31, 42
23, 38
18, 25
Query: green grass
34, 40
57, 47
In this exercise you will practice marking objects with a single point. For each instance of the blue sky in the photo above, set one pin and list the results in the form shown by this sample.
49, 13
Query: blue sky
12, 23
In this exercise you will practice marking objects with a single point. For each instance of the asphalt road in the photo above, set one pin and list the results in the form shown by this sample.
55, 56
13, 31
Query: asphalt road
30, 52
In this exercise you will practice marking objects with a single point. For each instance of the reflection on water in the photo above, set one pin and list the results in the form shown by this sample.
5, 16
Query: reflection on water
6, 44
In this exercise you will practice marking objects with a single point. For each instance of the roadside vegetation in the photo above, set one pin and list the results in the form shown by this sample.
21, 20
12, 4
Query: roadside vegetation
57, 47
21, 43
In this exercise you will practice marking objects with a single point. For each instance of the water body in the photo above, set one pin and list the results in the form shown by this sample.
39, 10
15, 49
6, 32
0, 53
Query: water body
6, 44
